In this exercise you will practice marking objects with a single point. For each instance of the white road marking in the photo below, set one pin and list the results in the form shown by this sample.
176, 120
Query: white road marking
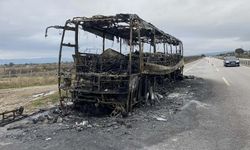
224, 79
217, 70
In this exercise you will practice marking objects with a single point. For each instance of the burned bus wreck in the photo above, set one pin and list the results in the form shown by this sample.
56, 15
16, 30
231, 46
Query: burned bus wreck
112, 78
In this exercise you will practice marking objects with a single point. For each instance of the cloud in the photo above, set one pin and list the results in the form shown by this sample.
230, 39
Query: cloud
203, 26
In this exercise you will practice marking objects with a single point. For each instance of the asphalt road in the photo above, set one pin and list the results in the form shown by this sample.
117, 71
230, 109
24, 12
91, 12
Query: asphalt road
224, 124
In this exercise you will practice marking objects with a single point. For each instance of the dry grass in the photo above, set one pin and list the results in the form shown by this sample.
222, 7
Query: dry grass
43, 102
19, 82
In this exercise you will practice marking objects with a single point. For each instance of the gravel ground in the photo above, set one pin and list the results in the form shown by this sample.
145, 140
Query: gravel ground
146, 125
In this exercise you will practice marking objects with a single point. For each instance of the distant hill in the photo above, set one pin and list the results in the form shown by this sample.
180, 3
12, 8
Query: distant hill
33, 60
208, 53
217, 53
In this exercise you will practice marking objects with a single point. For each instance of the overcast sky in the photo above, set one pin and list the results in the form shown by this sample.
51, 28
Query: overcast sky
203, 25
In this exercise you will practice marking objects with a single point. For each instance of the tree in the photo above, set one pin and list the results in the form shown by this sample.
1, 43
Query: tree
239, 51
11, 64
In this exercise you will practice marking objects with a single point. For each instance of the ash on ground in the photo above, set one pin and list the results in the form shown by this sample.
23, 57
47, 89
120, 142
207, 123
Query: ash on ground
52, 130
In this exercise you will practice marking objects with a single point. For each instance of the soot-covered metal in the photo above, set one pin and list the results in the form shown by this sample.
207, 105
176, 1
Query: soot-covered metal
112, 78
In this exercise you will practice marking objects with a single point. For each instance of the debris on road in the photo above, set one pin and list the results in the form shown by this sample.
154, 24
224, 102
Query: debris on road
82, 124
173, 95
18, 126
161, 119
142, 124
47, 139
189, 77
200, 104
12, 115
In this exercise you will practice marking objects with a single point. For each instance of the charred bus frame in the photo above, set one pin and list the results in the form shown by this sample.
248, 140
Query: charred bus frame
111, 78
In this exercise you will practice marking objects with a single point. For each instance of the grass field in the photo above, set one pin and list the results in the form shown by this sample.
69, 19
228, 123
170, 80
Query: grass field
19, 82
26, 75
43, 102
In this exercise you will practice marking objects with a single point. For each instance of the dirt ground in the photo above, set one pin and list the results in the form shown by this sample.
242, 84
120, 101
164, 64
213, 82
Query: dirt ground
146, 125
13, 98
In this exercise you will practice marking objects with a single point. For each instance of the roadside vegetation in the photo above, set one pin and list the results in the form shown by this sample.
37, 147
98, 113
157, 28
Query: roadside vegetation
189, 59
26, 75
239, 52
19, 82
43, 102
30, 75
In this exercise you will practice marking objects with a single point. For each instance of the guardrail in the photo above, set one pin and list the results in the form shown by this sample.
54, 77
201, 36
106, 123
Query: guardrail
245, 62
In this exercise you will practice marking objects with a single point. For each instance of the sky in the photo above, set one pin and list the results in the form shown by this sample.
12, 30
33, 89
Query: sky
204, 26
